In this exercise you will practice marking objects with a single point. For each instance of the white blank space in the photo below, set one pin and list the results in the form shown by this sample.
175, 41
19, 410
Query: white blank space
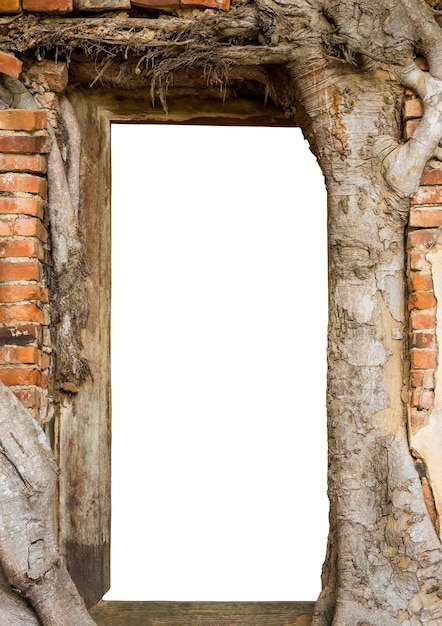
219, 300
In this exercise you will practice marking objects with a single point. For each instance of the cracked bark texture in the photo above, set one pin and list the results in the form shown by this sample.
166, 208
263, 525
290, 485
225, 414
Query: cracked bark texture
384, 559
341, 67
35, 587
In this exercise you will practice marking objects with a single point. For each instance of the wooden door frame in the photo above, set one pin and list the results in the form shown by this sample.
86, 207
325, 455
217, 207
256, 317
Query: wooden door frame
85, 419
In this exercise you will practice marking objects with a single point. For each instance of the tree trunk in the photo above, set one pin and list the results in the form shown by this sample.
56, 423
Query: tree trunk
28, 547
384, 562
384, 559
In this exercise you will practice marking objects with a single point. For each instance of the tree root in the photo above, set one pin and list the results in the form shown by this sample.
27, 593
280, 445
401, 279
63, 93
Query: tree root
29, 554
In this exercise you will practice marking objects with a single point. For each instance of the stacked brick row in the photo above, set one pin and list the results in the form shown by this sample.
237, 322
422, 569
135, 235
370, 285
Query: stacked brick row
425, 220
80, 6
425, 226
24, 357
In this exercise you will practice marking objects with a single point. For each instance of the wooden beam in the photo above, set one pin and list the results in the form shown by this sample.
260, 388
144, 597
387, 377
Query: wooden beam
203, 613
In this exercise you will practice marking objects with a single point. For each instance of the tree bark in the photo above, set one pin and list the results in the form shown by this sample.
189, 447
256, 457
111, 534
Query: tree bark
384, 559
28, 547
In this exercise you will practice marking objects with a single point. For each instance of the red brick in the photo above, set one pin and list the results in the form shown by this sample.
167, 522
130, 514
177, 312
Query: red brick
6, 226
422, 300
424, 218
422, 399
9, 6
427, 399
412, 109
431, 177
30, 398
23, 163
20, 270
416, 379
20, 335
21, 313
19, 354
414, 401
421, 282
34, 144
427, 194
421, 237
30, 227
26, 183
19, 248
423, 321
51, 74
428, 382
423, 359
23, 119
21, 293
12, 226
418, 419
422, 340
418, 261
48, 6
10, 65
45, 360
21, 206
21, 376
410, 127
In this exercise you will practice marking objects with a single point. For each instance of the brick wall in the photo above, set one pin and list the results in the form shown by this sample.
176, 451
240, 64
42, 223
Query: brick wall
424, 243
61, 7
24, 319
423, 238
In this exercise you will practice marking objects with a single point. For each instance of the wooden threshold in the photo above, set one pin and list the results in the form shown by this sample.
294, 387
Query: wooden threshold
203, 613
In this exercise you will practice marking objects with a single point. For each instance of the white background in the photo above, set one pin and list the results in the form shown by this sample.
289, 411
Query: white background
219, 301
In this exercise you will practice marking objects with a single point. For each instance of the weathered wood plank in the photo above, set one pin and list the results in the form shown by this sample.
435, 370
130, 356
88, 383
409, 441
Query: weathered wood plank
185, 106
84, 447
203, 613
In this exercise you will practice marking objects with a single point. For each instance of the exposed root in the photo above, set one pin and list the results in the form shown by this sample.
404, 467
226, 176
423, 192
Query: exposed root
69, 301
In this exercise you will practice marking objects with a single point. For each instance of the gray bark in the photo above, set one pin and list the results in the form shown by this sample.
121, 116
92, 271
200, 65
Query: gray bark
384, 558
29, 555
